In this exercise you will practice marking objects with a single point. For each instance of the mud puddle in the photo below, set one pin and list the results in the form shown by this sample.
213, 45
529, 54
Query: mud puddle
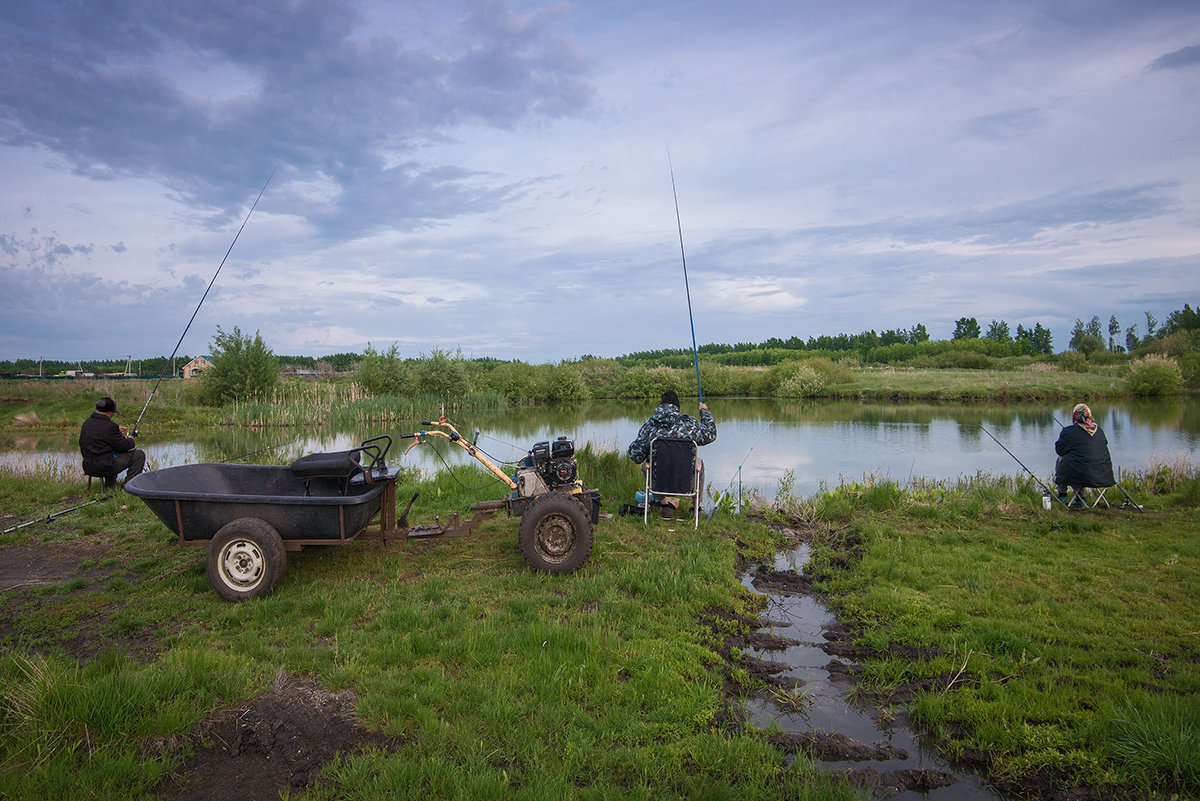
810, 711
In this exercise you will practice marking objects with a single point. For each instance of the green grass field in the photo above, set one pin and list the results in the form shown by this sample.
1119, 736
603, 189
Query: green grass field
1065, 646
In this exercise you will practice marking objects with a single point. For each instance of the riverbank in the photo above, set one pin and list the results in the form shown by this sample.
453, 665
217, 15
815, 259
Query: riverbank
447, 668
33, 406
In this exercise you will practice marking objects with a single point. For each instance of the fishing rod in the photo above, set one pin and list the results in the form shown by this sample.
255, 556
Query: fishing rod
738, 473
679, 224
1018, 461
52, 516
201, 303
1128, 497
1044, 406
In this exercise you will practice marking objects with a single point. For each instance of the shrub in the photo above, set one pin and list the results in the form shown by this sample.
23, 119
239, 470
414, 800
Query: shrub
964, 360
1073, 362
1154, 376
800, 381
243, 369
383, 373
443, 376
566, 383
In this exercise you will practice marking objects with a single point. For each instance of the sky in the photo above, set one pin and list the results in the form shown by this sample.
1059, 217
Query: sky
500, 179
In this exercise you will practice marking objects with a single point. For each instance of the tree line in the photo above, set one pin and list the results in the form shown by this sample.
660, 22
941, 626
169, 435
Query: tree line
899, 345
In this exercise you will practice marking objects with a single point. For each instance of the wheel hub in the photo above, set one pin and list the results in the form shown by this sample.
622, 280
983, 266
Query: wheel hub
243, 563
556, 536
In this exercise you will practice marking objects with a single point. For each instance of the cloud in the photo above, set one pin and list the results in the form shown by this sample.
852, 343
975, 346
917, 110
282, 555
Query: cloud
317, 93
1177, 59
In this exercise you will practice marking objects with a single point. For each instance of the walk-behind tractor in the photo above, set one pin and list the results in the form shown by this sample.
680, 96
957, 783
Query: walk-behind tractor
249, 516
558, 512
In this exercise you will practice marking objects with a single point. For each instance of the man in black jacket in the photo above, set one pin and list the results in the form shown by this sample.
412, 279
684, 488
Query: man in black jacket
105, 448
1083, 458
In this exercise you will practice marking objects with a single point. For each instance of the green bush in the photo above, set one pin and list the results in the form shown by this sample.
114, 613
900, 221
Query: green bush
443, 376
1153, 376
1073, 362
243, 369
799, 380
383, 373
964, 360
566, 383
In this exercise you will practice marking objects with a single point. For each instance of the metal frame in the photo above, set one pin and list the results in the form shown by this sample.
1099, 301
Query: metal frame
695, 483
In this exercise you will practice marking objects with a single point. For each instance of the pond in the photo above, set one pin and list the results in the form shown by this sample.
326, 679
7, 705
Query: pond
759, 442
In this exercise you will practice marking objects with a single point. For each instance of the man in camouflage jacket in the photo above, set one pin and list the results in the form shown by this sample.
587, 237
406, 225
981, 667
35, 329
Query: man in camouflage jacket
668, 421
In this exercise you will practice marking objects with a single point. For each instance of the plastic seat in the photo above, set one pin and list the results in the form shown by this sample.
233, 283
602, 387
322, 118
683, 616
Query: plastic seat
673, 474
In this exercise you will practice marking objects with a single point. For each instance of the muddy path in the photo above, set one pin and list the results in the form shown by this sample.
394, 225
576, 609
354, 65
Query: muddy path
807, 663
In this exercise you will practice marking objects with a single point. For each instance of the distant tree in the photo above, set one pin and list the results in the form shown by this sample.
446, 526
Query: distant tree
1151, 324
1114, 328
917, 334
1082, 338
997, 330
1131, 338
1043, 340
243, 368
443, 375
1093, 329
383, 373
966, 328
1186, 319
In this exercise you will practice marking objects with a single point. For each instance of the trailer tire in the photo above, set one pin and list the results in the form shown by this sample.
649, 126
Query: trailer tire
246, 559
556, 533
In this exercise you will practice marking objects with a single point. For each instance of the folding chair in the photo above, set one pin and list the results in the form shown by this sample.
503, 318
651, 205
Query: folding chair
1078, 494
673, 473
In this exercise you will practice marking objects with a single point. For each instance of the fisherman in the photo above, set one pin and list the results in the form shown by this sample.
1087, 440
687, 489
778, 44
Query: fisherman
1083, 458
106, 449
668, 421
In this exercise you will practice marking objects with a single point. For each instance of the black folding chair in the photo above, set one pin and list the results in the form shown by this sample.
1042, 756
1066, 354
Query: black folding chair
673, 473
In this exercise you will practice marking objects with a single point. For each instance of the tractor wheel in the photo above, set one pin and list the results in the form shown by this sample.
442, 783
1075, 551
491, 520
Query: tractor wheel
246, 559
555, 533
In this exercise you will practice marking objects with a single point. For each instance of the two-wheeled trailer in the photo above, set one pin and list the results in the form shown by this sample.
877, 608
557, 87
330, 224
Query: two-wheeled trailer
250, 516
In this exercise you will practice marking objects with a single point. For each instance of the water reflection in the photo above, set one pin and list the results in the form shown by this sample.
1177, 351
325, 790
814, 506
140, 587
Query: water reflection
759, 440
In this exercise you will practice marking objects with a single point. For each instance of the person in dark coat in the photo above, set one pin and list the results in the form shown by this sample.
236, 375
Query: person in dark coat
1083, 458
106, 449
668, 421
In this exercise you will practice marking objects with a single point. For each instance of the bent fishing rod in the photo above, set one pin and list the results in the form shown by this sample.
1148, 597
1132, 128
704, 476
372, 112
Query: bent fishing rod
1041, 483
154, 391
688, 289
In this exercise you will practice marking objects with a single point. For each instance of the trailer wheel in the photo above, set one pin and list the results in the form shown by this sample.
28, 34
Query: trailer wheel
246, 559
555, 533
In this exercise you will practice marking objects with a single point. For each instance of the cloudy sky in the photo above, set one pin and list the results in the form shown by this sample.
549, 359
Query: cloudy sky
495, 176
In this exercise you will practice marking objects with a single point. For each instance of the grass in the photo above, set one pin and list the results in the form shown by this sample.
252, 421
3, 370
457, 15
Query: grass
500, 682
1065, 645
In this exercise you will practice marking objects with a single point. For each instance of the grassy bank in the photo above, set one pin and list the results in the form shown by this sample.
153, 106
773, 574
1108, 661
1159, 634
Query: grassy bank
63, 405
1062, 647
1056, 649
490, 680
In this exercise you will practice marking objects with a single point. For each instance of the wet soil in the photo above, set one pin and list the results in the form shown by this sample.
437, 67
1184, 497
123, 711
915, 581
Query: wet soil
840, 642
277, 742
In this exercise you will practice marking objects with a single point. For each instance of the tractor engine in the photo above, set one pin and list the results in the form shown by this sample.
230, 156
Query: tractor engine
547, 466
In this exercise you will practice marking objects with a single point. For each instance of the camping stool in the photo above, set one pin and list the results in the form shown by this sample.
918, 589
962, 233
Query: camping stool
672, 473
1100, 499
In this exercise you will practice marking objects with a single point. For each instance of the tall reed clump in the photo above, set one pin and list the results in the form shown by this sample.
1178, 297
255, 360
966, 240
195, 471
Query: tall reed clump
305, 404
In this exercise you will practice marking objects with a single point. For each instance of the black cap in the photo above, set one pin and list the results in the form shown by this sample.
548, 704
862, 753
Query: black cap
106, 405
670, 397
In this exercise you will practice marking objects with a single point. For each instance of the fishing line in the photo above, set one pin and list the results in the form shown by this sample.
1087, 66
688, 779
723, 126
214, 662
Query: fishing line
1128, 497
1044, 406
1018, 461
201, 303
679, 224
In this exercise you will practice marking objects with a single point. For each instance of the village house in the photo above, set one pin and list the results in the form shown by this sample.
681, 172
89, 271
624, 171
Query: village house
196, 366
